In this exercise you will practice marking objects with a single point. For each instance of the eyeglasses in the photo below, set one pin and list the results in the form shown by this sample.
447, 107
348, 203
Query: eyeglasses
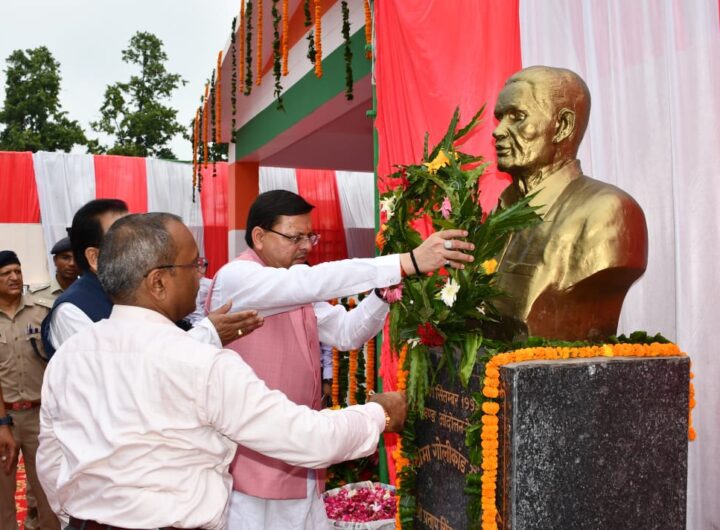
312, 237
200, 264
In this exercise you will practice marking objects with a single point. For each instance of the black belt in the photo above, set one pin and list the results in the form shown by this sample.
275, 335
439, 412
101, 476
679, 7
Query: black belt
82, 524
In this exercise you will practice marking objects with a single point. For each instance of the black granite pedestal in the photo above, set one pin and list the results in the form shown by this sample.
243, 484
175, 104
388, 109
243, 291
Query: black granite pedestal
595, 444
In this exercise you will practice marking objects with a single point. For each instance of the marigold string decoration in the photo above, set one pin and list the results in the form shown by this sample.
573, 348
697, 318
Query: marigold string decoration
318, 39
258, 63
491, 391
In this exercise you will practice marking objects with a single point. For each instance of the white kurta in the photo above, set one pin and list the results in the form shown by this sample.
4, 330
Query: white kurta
138, 422
250, 285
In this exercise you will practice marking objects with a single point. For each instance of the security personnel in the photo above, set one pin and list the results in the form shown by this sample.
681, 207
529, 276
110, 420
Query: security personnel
22, 366
66, 272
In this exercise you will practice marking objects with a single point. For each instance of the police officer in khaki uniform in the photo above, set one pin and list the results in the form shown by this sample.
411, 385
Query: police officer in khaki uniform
22, 366
66, 272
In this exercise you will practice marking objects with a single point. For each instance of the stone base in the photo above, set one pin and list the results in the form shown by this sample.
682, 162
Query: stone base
595, 444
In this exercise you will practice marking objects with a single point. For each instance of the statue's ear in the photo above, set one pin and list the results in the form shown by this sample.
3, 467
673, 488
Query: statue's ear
564, 126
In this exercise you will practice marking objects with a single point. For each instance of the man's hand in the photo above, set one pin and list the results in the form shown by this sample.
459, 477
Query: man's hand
439, 250
231, 326
395, 405
7, 449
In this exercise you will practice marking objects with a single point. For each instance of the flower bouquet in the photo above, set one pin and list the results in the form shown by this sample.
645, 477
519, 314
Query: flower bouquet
361, 506
449, 308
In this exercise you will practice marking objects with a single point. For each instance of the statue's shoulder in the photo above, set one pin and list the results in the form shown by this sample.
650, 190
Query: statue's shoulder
602, 198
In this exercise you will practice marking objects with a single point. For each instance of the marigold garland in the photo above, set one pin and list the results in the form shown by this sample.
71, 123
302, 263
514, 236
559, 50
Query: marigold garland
259, 67
368, 30
285, 31
218, 100
401, 462
352, 370
200, 146
318, 39
242, 44
491, 390
370, 366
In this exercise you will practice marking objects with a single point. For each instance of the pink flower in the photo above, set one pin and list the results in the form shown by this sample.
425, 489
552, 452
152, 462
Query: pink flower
393, 294
446, 208
361, 504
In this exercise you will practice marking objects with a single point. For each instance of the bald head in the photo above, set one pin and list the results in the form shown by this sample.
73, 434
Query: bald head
556, 89
542, 114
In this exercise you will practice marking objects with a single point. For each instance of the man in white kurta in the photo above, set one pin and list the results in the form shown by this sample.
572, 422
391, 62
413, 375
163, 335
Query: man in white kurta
272, 278
139, 421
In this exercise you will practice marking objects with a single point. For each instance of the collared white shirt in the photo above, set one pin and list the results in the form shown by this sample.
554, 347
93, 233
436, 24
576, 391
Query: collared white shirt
138, 421
68, 319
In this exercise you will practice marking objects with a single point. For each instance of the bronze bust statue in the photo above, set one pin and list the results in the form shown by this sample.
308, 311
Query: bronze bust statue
565, 278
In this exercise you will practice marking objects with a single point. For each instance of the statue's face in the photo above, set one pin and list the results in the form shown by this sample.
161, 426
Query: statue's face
523, 137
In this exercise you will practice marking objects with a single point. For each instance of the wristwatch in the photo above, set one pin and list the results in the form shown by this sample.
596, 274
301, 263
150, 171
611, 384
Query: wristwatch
6, 420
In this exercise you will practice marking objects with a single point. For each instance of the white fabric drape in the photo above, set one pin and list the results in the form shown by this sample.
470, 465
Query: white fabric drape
64, 182
277, 178
357, 198
653, 68
169, 190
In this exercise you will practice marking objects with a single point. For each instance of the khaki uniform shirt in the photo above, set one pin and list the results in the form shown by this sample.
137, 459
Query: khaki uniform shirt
46, 292
21, 369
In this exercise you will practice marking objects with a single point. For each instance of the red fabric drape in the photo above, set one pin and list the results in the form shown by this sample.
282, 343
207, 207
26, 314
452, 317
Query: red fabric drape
122, 177
433, 56
319, 188
215, 216
18, 192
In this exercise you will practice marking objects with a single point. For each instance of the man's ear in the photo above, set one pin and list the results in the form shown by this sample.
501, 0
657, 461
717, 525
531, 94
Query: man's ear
91, 255
257, 235
564, 125
155, 284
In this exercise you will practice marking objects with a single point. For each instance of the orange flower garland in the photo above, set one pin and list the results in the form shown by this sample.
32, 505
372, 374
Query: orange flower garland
336, 372
352, 367
285, 30
218, 100
368, 28
400, 461
491, 390
370, 366
318, 39
259, 30
380, 238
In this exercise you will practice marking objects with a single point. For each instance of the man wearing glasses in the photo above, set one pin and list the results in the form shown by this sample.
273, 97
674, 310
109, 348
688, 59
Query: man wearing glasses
85, 301
271, 276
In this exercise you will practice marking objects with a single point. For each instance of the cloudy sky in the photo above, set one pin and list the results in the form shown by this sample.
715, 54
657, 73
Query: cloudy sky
87, 37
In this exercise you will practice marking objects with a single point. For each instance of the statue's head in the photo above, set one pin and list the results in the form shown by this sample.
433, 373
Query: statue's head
542, 113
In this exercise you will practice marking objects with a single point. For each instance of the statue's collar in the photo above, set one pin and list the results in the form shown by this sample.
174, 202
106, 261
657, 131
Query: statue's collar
547, 189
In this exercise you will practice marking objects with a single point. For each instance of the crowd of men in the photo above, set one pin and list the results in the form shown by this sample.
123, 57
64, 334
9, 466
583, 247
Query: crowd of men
130, 412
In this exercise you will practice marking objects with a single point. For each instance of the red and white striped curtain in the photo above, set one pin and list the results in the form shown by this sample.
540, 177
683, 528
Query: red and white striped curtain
344, 213
653, 68
42, 191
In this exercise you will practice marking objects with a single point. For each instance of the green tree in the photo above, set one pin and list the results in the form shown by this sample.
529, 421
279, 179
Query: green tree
31, 118
134, 113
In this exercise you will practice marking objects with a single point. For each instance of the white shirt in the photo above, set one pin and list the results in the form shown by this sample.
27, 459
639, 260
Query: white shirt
68, 319
137, 422
270, 290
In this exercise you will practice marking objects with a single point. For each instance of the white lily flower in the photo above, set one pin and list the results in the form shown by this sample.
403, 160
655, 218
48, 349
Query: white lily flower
412, 343
388, 206
448, 294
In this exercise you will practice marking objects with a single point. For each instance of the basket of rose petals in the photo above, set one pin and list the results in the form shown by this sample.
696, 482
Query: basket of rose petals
361, 506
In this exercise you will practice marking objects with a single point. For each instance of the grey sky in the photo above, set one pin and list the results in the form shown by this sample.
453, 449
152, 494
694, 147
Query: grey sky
87, 37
